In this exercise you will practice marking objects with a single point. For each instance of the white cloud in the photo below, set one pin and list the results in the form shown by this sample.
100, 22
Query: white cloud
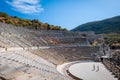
26, 6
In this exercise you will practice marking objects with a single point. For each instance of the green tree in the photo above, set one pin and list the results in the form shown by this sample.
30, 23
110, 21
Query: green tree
2, 14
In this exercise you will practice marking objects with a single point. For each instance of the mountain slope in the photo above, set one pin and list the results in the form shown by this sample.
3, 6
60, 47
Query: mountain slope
35, 23
104, 26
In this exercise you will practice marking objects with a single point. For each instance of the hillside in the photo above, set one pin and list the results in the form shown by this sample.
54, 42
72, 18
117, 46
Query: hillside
19, 22
104, 26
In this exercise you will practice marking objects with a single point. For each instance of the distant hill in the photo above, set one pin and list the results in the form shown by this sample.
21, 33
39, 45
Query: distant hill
35, 23
104, 26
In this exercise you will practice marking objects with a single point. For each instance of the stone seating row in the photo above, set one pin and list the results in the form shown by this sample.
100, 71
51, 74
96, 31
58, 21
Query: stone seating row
29, 42
23, 37
21, 60
10, 73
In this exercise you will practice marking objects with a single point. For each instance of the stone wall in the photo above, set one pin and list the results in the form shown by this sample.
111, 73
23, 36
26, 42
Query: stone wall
113, 63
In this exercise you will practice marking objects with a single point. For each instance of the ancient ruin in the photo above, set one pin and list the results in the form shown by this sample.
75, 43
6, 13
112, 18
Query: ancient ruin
29, 54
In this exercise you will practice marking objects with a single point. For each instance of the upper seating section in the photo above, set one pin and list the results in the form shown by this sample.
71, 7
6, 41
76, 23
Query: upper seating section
11, 36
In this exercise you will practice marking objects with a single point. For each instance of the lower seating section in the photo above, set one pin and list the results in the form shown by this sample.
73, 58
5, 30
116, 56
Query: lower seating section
113, 63
27, 63
65, 41
59, 55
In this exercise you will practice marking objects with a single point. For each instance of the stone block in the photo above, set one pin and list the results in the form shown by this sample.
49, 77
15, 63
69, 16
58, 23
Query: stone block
44, 47
34, 47
14, 48
26, 48
2, 49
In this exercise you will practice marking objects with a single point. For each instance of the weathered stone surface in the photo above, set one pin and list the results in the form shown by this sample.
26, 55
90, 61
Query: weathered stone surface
2, 49
33, 54
14, 48
34, 47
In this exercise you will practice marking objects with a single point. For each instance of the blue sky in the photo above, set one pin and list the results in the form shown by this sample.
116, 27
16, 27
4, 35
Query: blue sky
65, 13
